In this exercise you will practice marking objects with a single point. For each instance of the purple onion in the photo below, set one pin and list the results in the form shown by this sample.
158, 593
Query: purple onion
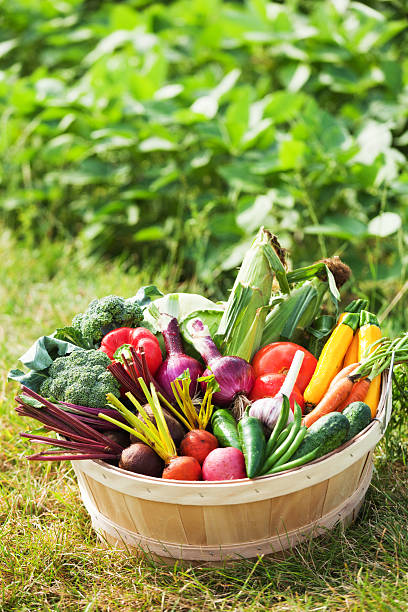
234, 375
176, 361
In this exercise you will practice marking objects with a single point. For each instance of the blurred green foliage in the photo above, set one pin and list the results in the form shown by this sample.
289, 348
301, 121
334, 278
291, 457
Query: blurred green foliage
171, 131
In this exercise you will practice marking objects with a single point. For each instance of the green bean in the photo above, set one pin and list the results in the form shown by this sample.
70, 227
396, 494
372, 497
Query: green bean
295, 463
293, 447
279, 425
277, 454
282, 436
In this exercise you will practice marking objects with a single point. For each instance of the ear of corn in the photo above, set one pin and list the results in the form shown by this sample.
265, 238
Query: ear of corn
331, 358
241, 326
368, 333
254, 316
297, 309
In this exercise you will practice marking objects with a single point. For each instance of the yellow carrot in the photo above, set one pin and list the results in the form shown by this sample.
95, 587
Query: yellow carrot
331, 358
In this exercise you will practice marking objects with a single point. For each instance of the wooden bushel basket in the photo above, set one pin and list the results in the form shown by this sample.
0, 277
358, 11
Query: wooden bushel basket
215, 521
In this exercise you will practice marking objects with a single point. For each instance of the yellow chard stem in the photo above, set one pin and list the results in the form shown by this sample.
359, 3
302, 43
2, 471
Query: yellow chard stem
161, 421
175, 411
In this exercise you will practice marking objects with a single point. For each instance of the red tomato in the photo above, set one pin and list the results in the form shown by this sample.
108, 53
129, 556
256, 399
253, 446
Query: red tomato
137, 337
269, 385
276, 358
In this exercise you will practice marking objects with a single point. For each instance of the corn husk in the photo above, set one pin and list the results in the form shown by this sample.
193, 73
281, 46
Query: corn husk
241, 326
296, 311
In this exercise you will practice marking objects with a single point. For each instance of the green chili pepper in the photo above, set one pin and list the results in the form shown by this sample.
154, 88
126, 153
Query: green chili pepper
295, 463
253, 443
225, 428
281, 450
279, 426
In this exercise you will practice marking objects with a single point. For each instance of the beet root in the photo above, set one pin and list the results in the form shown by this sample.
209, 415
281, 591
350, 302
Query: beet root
120, 436
141, 459
182, 468
198, 443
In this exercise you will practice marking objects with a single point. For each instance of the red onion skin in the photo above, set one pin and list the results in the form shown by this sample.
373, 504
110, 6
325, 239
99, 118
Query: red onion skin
177, 361
234, 375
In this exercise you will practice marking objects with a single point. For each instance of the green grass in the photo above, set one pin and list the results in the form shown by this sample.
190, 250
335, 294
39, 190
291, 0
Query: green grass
50, 558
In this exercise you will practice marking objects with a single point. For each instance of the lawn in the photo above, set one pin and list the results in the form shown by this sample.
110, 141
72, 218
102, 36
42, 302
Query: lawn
50, 558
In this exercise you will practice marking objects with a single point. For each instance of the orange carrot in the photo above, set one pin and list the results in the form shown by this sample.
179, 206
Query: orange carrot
343, 373
330, 401
357, 394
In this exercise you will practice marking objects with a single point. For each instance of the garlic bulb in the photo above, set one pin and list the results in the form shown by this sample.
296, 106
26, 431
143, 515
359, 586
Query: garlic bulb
267, 410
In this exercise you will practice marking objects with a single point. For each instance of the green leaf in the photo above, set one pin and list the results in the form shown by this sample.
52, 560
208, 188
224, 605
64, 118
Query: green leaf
373, 139
385, 224
186, 304
32, 379
147, 294
238, 175
155, 143
152, 233
73, 336
237, 117
43, 352
339, 226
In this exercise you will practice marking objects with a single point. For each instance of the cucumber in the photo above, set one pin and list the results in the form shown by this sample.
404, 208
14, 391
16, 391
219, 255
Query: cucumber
359, 416
328, 432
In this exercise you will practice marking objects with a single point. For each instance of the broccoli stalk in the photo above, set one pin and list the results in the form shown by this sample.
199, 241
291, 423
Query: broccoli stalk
81, 378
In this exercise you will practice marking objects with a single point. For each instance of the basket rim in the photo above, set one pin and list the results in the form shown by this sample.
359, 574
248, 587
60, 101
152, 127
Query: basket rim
213, 484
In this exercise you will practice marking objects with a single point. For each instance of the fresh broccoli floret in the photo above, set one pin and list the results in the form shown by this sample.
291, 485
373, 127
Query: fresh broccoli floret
81, 378
106, 314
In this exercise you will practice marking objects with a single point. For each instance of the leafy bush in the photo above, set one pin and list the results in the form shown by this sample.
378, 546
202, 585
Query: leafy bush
174, 130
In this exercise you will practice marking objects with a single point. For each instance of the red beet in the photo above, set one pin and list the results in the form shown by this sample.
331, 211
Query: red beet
198, 443
141, 459
182, 468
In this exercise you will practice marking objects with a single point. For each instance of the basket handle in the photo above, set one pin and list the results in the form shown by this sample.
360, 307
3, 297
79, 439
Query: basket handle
386, 398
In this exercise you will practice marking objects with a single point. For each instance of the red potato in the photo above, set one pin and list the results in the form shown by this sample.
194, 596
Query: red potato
198, 443
182, 468
224, 464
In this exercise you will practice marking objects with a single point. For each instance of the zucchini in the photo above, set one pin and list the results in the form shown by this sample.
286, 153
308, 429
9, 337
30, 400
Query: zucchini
328, 432
358, 415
